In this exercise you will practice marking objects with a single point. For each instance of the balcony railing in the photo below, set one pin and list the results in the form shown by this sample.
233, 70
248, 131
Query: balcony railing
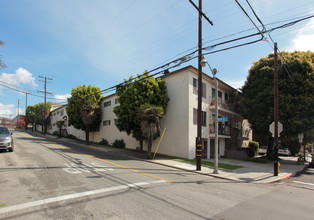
224, 104
222, 130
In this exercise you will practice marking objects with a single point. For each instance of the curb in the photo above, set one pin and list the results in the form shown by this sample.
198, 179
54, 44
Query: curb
195, 171
287, 176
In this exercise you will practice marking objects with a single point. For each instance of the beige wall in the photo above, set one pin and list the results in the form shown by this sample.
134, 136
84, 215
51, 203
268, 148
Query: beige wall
111, 132
176, 138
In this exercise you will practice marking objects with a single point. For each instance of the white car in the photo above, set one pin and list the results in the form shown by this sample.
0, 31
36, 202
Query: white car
284, 151
263, 150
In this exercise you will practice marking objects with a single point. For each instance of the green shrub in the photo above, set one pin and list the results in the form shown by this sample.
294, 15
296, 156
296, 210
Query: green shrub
103, 142
118, 143
253, 149
56, 133
71, 136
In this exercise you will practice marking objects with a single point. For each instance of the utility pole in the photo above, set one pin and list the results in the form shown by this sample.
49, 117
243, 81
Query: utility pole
198, 148
199, 108
275, 111
18, 113
45, 110
26, 102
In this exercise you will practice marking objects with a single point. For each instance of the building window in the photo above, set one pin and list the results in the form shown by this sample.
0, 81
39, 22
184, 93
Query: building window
116, 101
62, 112
108, 103
203, 119
58, 112
213, 94
195, 117
226, 97
195, 88
219, 94
106, 123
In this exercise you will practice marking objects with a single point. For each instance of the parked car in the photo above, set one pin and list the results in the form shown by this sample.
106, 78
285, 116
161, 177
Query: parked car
284, 151
6, 140
263, 150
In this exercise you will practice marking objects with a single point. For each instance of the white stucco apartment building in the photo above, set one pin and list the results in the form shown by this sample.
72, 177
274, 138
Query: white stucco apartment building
180, 120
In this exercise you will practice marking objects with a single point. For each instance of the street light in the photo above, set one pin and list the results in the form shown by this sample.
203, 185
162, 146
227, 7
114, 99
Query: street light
214, 71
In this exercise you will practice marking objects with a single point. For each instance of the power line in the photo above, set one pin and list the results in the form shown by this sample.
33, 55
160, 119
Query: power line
249, 18
188, 57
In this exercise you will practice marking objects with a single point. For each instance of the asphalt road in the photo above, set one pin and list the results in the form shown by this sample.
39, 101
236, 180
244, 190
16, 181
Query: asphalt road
47, 178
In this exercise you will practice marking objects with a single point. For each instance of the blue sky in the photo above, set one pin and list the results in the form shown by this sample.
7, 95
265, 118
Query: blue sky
101, 42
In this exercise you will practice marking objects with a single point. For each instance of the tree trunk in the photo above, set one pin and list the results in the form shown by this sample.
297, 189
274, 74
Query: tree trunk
141, 145
87, 135
149, 148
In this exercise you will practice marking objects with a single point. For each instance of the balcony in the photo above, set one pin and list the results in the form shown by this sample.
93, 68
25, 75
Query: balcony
223, 105
222, 129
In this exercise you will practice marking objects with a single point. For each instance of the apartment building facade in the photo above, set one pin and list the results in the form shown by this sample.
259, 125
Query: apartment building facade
180, 122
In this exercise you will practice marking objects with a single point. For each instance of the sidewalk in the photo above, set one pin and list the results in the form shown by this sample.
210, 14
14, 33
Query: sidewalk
251, 172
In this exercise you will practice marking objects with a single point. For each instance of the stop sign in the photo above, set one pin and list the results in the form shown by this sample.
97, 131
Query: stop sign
272, 128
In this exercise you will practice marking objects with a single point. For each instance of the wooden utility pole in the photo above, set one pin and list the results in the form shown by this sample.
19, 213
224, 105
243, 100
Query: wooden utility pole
199, 108
275, 111
45, 110
18, 113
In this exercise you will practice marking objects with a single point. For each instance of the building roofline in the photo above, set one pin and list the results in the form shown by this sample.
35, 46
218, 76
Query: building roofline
195, 69
178, 71
59, 108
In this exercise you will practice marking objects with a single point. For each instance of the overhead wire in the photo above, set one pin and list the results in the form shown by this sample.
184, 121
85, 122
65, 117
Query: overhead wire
247, 15
179, 61
280, 54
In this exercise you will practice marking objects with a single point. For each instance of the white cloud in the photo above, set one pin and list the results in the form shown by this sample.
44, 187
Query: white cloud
236, 84
303, 40
7, 110
62, 97
20, 76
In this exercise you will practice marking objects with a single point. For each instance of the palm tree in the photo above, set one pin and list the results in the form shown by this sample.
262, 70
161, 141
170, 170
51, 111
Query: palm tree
149, 116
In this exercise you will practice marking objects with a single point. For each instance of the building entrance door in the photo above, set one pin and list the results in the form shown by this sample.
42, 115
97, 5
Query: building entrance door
212, 148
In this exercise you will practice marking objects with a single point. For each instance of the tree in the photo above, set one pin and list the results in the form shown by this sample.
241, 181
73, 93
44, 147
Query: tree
84, 110
296, 96
30, 116
134, 93
60, 124
149, 116
41, 116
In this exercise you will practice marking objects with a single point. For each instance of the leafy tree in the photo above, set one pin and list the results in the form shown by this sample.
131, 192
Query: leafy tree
149, 116
60, 124
134, 93
84, 110
41, 116
296, 96
30, 116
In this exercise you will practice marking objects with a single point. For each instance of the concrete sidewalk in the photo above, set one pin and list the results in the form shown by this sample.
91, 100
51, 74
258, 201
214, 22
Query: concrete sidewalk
251, 172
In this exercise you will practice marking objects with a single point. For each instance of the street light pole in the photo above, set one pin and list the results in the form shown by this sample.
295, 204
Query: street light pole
216, 126
214, 71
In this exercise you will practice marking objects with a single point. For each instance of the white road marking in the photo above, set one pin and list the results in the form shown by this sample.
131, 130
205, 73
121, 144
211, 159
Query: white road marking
76, 168
74, 196
311, 184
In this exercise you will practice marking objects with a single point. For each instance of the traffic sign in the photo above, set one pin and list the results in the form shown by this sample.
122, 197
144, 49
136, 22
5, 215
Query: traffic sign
223, 119
272, 128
